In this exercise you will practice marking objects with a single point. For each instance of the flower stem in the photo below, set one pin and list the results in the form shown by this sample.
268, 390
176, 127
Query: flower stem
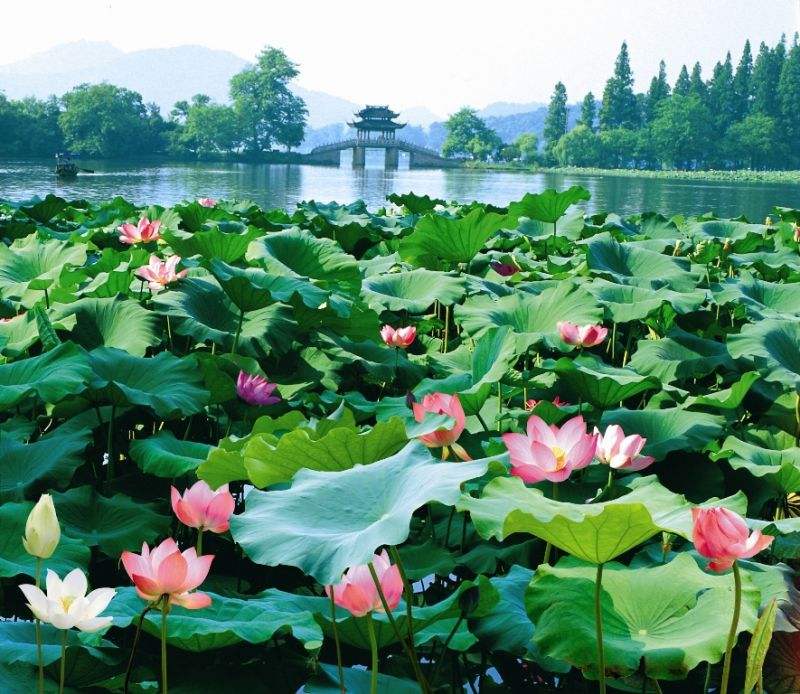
598, 622
38, 632
238, 332
110, 444
63, 658
737, 605
199, 546
129, 669
373, 647
164, 613
408, 592
338, 645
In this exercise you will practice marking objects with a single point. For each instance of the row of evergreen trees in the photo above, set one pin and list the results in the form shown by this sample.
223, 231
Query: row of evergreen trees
747, 116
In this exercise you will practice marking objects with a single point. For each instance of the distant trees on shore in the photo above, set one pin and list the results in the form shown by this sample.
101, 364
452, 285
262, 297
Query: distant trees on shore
106, 121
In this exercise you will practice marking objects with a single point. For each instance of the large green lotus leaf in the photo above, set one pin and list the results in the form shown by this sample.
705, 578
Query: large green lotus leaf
328, 521
761, 299
43, 211
722, 229
680, 356
213, 243
414, 291
533, 317
298, 252
165, 456
379, 362
114, 524
728, 398
668, 619
17, 334
363, 323
415, 204
547, 206
437, 240
170, 385
15, 561
356, 681
625, 303
628, 263
672, 429
202, 310
773, 346
51, 376
340, 449
50, 461
18, 643
780, 467
491, 359
589, 378
33, 264
595, 532
112, 322
227, 621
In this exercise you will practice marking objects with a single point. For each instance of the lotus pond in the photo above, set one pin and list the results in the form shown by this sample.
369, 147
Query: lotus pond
437, 448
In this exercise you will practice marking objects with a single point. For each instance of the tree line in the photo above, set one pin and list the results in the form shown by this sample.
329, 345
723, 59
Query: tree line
747, 116
107, 121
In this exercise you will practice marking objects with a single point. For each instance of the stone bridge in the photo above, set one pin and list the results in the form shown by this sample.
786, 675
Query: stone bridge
418, 157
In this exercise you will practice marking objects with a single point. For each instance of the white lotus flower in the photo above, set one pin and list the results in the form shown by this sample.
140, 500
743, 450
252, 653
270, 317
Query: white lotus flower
66, 604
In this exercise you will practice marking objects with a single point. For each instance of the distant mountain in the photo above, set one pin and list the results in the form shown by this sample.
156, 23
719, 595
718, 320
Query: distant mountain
504, 108
419, 115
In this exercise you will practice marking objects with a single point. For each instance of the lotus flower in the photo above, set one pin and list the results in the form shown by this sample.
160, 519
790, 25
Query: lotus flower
450, 405
557, 401
797, 233
143, 232
66, 605
203, 508
401, 337
256, 390
581, 335
504, 269
206, 202
356, 592
160, 273
722, 536
549, 452
42, 531
168, 573
620, 451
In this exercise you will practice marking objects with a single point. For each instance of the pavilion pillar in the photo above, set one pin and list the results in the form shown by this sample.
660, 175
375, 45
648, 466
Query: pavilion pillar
392, 158
359, 157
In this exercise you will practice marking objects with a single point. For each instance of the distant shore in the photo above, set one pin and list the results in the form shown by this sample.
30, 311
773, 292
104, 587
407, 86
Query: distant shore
737, 175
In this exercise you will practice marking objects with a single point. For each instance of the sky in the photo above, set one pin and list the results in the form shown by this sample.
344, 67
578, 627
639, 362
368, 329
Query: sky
440, 54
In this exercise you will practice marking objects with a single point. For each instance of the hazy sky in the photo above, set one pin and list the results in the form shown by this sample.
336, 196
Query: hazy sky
435, 53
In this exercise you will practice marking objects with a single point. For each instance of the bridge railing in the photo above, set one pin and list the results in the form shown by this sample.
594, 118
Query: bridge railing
382, 143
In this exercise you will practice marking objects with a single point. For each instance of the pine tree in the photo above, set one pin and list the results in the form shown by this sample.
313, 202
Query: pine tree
659, 90
682, 84
555, 124
766, 73
620, 108
721, 96
742, 82
588, 111
789, 101
697, 87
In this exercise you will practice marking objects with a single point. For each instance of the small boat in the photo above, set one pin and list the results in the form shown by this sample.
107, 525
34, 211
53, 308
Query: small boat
66, 168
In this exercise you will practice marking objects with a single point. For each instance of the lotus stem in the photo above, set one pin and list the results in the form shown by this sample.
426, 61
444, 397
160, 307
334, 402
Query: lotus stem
137, 634
598, 622
46, 298
110, 443
169, 335
338, 645
447, 641
373, 647
797, 418
61, 668
37, 629
199, 545
446, 328
238, 332
408, 591
164, 613
707, 681
737, 606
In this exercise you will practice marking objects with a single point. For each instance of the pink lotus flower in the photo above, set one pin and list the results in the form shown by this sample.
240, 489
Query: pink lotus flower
722, 536
168, 573
203, 508
256, 390
581, 335
450, 405
557, 401
356, 592
549, 453
143, 232
401, 337
620, 451
504, 269
160, 273
206, 202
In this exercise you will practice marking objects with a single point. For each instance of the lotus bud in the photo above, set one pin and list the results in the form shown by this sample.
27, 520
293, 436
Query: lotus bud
42, 531
726, 247
677, 250
768, 221
797, 233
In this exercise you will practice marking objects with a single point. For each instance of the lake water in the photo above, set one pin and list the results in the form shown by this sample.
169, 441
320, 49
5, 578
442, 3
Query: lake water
286, 185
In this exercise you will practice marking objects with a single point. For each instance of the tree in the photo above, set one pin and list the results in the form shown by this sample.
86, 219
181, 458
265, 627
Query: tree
528, 146
555, 123
267, 109
210, 129
619, 108
697, 87
588, 111
618, 147
102, 120
752, 140
789, 102
682, 131
742, 82
682, 84
722, 101
579, 147
658, 91
468, 135
766, 74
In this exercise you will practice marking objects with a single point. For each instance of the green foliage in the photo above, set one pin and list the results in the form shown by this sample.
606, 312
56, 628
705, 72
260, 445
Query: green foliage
469, 136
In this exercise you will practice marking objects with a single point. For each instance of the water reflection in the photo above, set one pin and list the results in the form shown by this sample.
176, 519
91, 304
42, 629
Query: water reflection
286, 185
